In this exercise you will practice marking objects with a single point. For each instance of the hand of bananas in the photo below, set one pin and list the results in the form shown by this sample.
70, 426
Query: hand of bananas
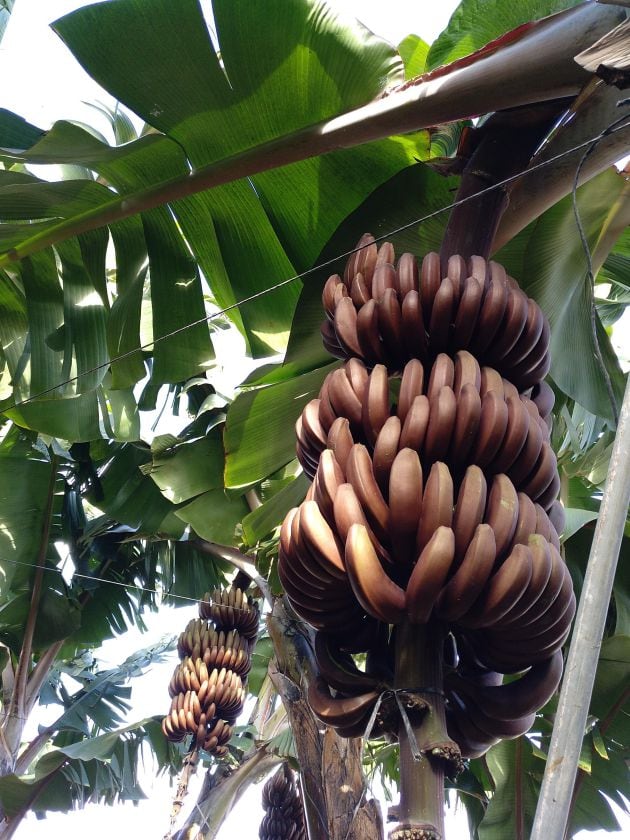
434, 493
207, 687
282, 803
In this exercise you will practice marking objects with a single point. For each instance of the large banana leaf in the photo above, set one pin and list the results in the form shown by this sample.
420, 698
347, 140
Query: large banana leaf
259, 433
159, 59
477, 22
103, 768
24, 487
513, 767
61, 338
170, 74
552, 268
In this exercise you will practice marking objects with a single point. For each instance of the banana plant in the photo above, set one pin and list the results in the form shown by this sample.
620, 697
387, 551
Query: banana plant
253, 175
58, 608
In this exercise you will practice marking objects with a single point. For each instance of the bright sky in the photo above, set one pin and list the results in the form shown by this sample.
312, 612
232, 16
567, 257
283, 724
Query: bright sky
46, 84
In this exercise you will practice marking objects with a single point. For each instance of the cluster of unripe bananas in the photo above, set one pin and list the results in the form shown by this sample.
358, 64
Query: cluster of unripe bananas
433, 494
207, 688
284, 814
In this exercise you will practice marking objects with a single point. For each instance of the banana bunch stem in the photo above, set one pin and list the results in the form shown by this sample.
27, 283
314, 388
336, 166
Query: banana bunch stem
419, 666
188, 771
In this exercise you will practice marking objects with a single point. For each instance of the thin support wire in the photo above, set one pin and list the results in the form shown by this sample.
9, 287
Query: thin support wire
132, 587
554, 802
326, 263
589, 260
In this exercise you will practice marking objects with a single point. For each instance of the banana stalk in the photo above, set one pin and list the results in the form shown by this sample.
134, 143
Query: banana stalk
426, 751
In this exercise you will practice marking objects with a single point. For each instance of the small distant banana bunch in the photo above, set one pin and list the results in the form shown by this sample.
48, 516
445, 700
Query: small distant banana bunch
284, 817
207, 687
434, 493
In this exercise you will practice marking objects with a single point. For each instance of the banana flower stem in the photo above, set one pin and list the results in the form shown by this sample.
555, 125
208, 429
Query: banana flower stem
419, 672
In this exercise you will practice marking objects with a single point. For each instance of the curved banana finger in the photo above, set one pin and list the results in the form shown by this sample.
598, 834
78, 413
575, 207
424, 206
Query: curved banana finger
429, 574
502, 511
348, 512
377, 593
504, 590
430, 279
340, 441
491, 314
469, 509
442, 416
467, 419
522, 696
338, 711
462, 590
442, 316
437, 503
512, 327
466, 372
390, 327
515, 436
405, 503
442, 374
385, 450
345, 323
343, 400
407, 275
368, 334
412, 325
467, 313
376, 408
338, 669
416, 423
411, 386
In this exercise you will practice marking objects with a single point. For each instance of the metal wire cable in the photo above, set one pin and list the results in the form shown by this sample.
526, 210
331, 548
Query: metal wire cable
591, 144
131, 586
324, 264
589, 258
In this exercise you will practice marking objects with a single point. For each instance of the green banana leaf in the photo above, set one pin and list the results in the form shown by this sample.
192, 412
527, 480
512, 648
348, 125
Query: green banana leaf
516, 772
413, 51
260, 522
24, 487
259, 437
577, 551
61, 777
216, 515
187, 573
189, 469
475, 23
245, 236
552, 269
212, 111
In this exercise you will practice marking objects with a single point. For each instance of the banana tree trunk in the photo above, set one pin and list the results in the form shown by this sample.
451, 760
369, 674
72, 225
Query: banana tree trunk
334, 788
